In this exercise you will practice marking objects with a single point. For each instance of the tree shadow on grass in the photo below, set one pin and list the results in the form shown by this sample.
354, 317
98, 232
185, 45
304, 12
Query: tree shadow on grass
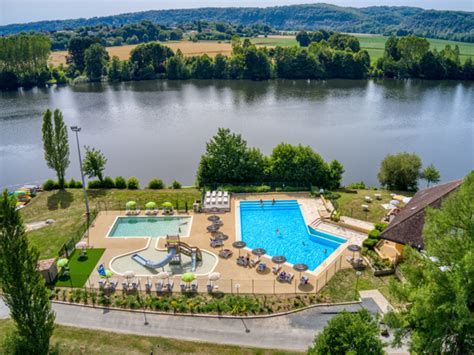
62, 199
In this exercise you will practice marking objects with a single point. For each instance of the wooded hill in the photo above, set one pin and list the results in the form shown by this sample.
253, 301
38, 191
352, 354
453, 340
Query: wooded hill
451, 25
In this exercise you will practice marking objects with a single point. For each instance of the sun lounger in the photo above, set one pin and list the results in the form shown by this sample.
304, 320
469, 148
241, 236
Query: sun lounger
159, 286
113, 284
155, 211
261, 267
125, 286
276, 268
226, 194
213, 193
128, 212
242, 261
137, 211
182, 287
208, 193
101, 284
171, 212
208, 200
304, 280
148, 286
147, 212
213, 200
209, 288
225, 253
254, 261
169, 286
281, 276
226, 199
289, 277
219, 200
350, 259
194, 287
135, 284
216, 243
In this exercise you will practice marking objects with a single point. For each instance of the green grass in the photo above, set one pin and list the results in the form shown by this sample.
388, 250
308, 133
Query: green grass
80, 269
374, 44
350, 204
67, 209
78, 341
342, 286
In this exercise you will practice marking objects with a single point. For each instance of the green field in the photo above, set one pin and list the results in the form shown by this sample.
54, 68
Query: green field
80, 268
374, 44
67, 209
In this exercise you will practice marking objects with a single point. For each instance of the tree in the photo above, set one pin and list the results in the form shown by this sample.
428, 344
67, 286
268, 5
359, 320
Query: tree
115, 71
228, 160
95, 59
23, 287
220, 66
303, 38
349, 333
203, 67
56, 144
400, 171
430, 174
440, 318
336, 170
76, 49
391, 48
94, 163
176, 67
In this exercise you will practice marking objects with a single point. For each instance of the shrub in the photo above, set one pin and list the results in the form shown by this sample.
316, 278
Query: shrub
374, 234
50, 185
176, 185
155, 184
108, 183
248, 188
120, 183
95, 184
357, 185
380, 226
133, 183
71, 184
370, 243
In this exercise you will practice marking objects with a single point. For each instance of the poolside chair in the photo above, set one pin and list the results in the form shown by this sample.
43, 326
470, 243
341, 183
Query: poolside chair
254, 261
209, 287
194, 287
242, 261
135, 284
219, 193
276, 268
169, 286
148, 285
216, 243
128, 212
208, 193
350, 259
208, 200
155, 211
137, 212
226, 199
281, 276
125, 286
147, 212
225, 194
171, 211
225, 253
182, 286
101, 284
261, 267
213, 200
214, 193
219, 200
113, 284
159, 286
304, 280
289, 277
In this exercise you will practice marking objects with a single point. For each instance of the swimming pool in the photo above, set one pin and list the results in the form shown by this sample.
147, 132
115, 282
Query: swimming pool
280, 229
154, 226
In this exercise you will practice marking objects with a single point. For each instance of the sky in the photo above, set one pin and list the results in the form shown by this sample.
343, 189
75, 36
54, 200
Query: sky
19, 11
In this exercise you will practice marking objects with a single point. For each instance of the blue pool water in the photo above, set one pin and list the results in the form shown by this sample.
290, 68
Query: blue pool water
149, 226
281, 230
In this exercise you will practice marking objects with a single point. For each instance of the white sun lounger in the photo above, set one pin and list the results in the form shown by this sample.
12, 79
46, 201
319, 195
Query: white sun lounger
219, 193
276, 268
208, 193
213, 193
226, 194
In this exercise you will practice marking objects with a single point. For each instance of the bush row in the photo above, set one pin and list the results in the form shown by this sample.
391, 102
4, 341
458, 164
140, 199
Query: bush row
260, 188
109, 183
50, 184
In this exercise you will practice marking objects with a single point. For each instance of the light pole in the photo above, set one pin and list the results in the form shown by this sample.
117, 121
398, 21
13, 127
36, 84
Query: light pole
77, 129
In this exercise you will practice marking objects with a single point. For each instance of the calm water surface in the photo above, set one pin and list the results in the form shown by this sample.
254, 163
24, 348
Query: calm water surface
159, 128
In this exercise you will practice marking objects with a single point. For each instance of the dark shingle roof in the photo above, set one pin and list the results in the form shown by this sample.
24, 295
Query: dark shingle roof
407, 226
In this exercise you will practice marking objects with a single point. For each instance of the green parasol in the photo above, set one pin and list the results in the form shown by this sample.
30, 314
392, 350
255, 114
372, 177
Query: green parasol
108, 274
62, 262
167, 204
131, 204
188, 277
150, 205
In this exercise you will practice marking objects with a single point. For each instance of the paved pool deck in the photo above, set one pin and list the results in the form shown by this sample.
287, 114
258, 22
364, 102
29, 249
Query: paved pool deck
234, 278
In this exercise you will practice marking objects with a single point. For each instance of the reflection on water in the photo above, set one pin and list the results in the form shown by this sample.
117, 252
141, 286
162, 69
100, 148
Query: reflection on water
159, 128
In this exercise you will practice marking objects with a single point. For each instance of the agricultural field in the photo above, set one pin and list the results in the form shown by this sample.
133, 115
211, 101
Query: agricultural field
374, 44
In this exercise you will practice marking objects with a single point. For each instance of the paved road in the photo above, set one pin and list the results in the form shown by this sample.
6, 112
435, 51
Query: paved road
292, 332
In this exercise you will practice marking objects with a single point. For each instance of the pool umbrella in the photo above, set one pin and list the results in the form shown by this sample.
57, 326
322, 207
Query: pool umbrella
81, 245
353, 248
259, 251
279, 259
239, 245
300, 268
167, 204
108, 274
188, 277
163, 275
62, 262
214, 276
129, 274
131, 205
213, 218
212, 228
218, 223
150, 205
221, 236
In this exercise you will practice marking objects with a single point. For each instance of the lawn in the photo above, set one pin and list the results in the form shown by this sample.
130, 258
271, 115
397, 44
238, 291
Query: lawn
80, 269
72, 340
342, 286
350, 204
67, 209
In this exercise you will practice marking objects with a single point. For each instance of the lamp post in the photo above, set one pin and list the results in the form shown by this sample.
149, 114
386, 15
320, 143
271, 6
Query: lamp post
77, 129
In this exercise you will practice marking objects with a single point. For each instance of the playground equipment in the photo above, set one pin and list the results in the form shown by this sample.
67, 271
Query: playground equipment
175, 249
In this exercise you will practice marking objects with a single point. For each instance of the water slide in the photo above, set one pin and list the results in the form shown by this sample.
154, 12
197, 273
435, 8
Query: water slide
155, 265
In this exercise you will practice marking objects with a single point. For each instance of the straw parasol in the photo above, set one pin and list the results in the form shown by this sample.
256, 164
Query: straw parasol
131, 205
221, 236
213, 218
214, 276
353, 248
129, 274
300, 268
239, 245
167, 204
279, 259
212, 228
81, 245
163, 275
150, 205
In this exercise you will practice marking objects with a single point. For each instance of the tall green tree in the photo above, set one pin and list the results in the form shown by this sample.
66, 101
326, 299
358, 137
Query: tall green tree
95, 59
440, 290
56, 144
430, 174
177, 68
76, 50
115, 71
23, 287
400, 171
303, 38
349, 333
94, 163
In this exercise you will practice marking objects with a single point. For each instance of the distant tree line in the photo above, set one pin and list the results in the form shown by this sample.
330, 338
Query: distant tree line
386, 20
228, 160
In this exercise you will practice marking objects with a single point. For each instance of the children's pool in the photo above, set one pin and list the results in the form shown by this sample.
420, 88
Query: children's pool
150, 226
280, 229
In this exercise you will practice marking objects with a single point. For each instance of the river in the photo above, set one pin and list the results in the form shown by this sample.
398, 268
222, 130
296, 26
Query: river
160, 128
